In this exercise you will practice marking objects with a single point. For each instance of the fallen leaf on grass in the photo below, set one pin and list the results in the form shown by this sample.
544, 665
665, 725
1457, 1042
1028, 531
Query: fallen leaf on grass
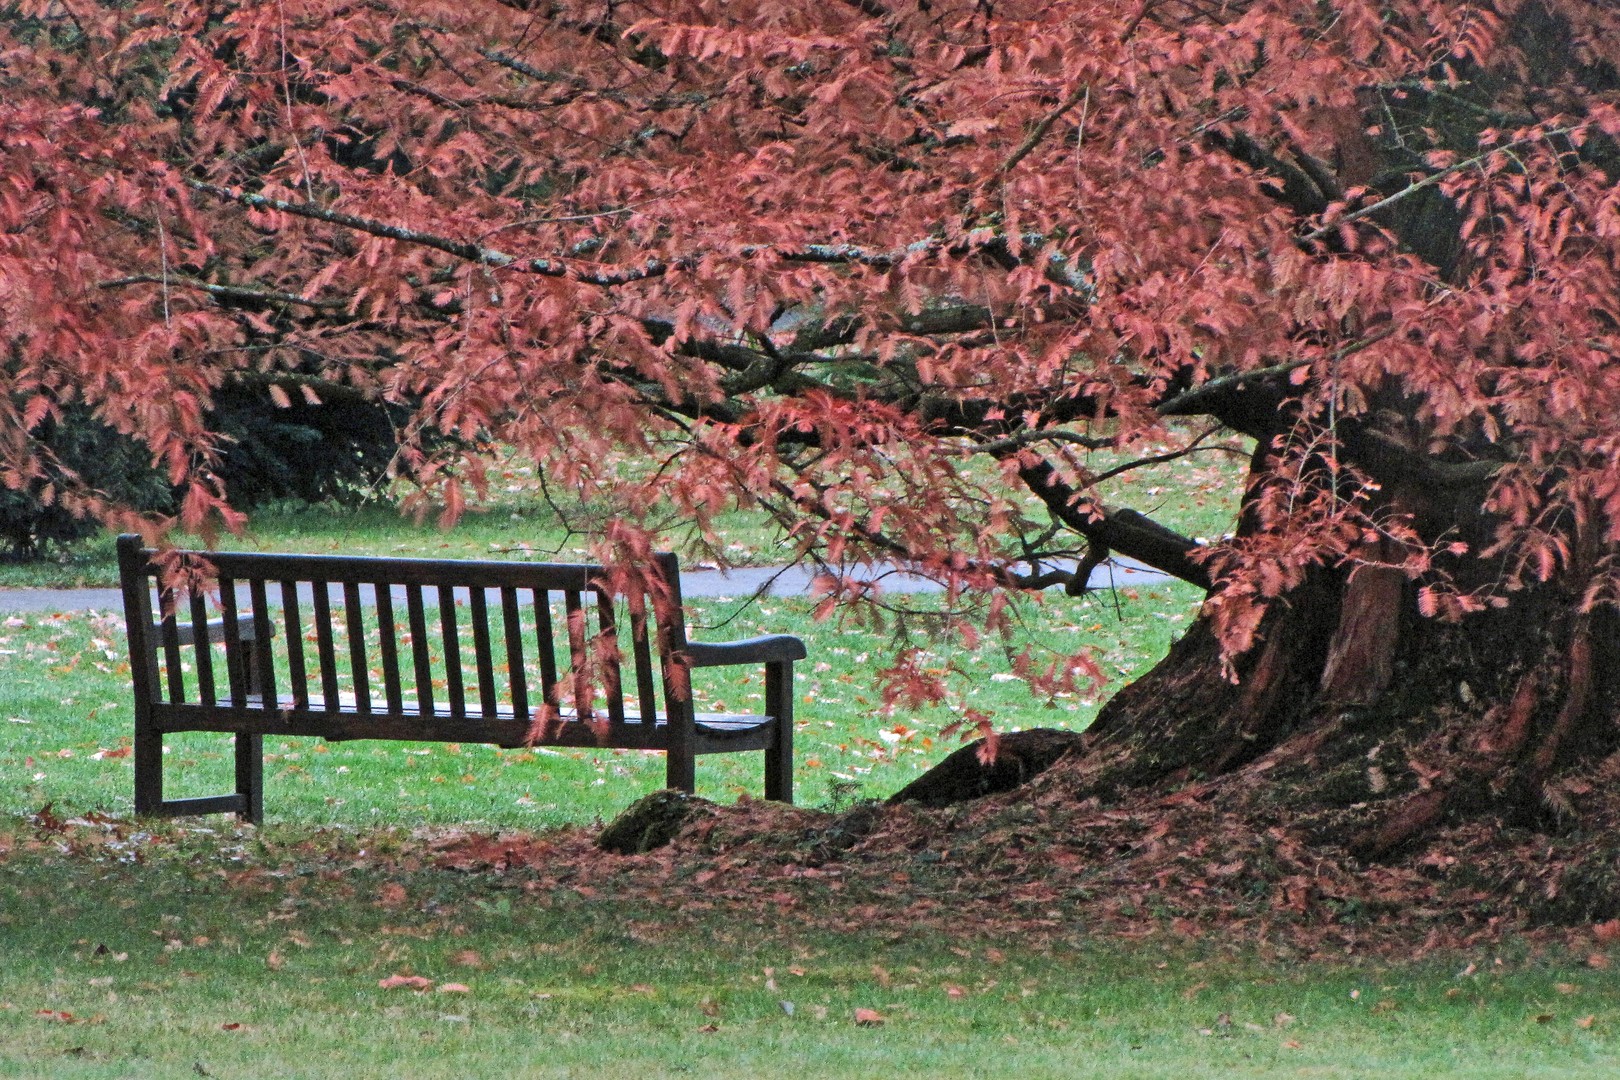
403, 982
391, 895
55, 1015
955, 992
868, 1018
1566, 988
709, 1029
275, 961
1545, 1018
1597, 960
1291, 1044
233, 1026
454, 988
1607, 932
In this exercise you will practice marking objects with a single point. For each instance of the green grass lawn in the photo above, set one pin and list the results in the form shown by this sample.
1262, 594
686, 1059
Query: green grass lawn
65, 723
232, 955
206, 948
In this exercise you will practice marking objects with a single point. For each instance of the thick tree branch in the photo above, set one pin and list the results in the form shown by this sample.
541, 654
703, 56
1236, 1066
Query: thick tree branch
1386, 459
1125, 531
1210, 398
1228, 397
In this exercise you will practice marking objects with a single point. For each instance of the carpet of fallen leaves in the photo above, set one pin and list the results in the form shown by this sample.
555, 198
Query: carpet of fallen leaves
1181, 866
1033, 865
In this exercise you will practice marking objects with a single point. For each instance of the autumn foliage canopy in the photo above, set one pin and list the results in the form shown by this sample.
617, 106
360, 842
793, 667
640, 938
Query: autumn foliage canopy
885, 268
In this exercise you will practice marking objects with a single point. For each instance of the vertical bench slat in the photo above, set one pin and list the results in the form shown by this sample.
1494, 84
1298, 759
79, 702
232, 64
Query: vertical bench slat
609, 637
205, 651
517, 679
643, 658
327, 653
680, 758
354, 617
421, 655
169, 630
483, 660
295, 645
262, 673
545, 647
578, 662
235, 657
389, 644
453, 690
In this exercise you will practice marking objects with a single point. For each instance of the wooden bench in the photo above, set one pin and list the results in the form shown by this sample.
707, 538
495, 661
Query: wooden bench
370, 648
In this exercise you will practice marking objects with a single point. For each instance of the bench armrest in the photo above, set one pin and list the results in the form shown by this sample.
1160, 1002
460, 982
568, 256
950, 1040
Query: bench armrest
215, 629
757, 650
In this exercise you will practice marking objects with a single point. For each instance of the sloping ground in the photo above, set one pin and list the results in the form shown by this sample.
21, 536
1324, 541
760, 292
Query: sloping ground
1203, 862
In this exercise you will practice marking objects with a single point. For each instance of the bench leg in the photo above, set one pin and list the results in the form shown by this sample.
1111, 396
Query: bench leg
250, 777
680, 769
148, 771
779, 704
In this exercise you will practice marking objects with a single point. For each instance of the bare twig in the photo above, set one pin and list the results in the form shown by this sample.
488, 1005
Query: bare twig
1427, 182
224, 292
1033, 139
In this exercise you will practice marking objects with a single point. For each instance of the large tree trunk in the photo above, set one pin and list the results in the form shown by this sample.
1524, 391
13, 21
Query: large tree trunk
1365, 725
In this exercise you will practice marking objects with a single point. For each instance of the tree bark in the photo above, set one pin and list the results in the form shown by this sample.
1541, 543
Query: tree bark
1365, 724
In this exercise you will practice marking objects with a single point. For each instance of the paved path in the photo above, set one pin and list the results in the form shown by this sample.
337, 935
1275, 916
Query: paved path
766, 580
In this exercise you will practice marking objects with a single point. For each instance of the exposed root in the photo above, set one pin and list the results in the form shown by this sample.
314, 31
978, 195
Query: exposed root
1577, 690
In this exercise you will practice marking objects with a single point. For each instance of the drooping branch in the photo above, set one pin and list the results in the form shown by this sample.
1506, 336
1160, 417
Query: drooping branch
1125, 531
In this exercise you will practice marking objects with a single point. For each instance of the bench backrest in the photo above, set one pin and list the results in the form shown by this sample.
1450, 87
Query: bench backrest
411, 648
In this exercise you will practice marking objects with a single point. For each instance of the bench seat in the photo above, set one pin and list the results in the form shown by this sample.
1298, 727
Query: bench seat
715, 732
